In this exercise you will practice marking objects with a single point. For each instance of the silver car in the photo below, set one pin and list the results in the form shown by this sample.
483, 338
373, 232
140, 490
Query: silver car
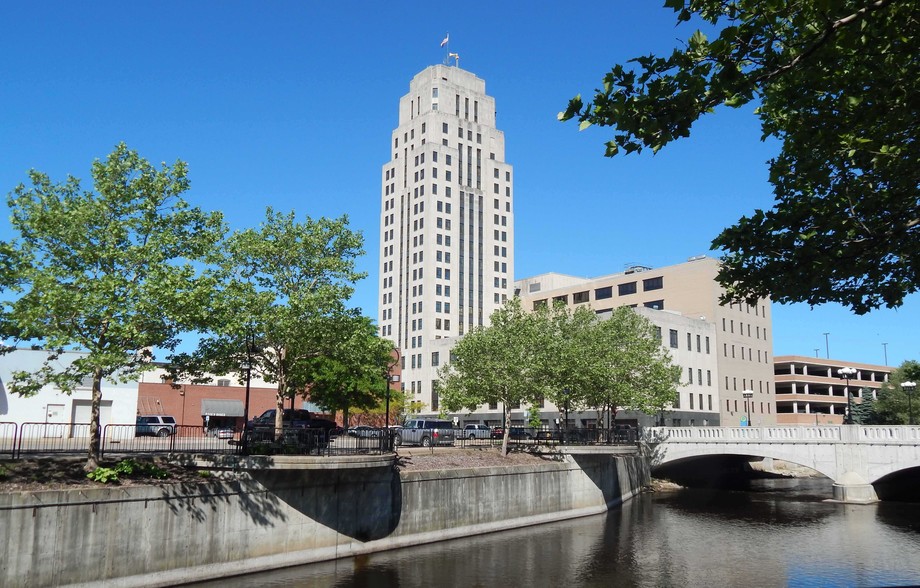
425, 432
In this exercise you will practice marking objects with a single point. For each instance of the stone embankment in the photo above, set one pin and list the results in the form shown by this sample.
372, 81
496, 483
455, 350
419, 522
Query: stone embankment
289, 511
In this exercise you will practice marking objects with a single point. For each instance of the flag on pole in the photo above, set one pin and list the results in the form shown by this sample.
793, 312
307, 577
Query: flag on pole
446, 39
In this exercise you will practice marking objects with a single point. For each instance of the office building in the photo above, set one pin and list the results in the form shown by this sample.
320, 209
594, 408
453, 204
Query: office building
446, 223
740, 338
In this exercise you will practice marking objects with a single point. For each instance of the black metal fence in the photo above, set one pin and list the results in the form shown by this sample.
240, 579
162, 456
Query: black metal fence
44, 439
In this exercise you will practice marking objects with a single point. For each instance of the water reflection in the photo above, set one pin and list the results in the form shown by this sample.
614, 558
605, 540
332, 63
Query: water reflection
777, 533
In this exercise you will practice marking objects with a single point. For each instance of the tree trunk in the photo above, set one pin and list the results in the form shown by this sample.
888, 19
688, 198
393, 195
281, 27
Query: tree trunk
92, 458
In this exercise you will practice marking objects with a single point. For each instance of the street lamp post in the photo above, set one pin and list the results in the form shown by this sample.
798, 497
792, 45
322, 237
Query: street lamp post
748, 395
909, 388
848, 373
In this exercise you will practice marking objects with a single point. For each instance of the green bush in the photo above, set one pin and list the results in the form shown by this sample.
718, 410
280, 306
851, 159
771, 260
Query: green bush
128, 468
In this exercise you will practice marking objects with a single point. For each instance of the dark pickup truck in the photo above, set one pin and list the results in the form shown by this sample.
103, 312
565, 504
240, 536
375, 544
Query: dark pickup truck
301, 432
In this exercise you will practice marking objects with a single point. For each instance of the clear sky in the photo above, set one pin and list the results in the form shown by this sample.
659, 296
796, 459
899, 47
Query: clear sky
291, 105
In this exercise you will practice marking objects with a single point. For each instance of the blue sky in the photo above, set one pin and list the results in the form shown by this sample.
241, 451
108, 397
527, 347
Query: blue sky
291, 105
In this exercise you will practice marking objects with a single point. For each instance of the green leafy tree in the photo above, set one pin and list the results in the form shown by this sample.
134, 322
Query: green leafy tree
281, 303
836, 84
567, 355
629, 369
108, 271
894, 406
499, 363
352, 373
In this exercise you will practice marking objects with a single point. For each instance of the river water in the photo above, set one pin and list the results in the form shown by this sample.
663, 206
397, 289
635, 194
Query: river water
770, 533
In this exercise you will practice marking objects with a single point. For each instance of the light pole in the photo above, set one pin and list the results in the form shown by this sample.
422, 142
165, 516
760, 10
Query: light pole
827, 349
908, 388
885, 347
848, 373
748, 395
389, 377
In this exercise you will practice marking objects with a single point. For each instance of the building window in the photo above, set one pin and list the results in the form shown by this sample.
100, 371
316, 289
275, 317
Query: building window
435, 358
709, 381
690, 380
579, 297
603, 293
673, 333
624, 289
652, 284
698, 346
707, 345
689, 342
691, 401
655, 304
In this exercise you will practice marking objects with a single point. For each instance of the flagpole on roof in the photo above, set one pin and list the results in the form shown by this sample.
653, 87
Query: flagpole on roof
445, 44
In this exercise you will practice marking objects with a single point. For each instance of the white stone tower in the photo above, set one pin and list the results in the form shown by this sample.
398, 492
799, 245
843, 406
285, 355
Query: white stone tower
446, 224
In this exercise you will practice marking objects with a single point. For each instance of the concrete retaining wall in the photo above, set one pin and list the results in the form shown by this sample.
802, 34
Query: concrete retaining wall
160, 536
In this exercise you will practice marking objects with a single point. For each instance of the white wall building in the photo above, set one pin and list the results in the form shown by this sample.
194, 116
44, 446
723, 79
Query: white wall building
446, 223
50, 405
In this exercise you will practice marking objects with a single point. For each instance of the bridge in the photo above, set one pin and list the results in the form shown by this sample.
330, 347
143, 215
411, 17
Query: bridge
854, 456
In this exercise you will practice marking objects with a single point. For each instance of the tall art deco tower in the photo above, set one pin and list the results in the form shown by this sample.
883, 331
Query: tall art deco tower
446, 224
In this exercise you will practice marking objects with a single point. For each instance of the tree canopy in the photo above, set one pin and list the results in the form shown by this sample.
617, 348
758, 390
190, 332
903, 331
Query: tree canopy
835, 81
352, 374
280, 303
108, 271
893, 406
569, 357
500, 363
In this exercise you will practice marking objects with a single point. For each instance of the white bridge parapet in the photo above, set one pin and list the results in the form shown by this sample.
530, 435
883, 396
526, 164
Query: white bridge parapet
854, 456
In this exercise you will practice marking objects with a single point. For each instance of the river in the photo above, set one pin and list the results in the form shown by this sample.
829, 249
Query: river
780, 532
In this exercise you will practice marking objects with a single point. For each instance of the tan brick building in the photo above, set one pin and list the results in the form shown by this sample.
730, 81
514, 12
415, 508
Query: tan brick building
740, 340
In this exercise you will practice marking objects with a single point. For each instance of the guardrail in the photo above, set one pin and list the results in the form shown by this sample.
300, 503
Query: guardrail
44, 439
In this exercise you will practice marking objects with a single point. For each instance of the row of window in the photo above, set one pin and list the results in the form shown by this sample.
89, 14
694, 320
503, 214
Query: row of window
741, 325
747, 385
750, 353
753, 406
699, 376
673, 341
742, 307
694, 405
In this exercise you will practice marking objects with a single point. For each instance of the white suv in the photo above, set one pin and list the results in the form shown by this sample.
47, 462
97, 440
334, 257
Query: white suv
159, 425
477, 432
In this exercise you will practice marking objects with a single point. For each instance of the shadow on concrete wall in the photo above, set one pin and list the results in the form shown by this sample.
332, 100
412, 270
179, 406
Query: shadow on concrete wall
361, 503
196, 498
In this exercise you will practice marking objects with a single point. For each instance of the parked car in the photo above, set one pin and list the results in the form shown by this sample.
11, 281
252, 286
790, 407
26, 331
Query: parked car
516, 434
261, 428
155, 424
520, 434
474, 431
365, 431
425, 432
548, 435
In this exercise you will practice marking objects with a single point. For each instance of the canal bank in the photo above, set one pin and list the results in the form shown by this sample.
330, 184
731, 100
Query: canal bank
287, 513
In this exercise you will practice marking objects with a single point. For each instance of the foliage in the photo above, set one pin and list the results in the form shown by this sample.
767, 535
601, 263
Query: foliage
569, 357
533, 417
108, 271
864, 408
611, 364
352, 374
836, 82
500, 363
280, 303
893, 405
127, 468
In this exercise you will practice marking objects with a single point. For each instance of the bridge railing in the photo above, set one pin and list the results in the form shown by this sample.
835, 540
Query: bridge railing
909, 435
